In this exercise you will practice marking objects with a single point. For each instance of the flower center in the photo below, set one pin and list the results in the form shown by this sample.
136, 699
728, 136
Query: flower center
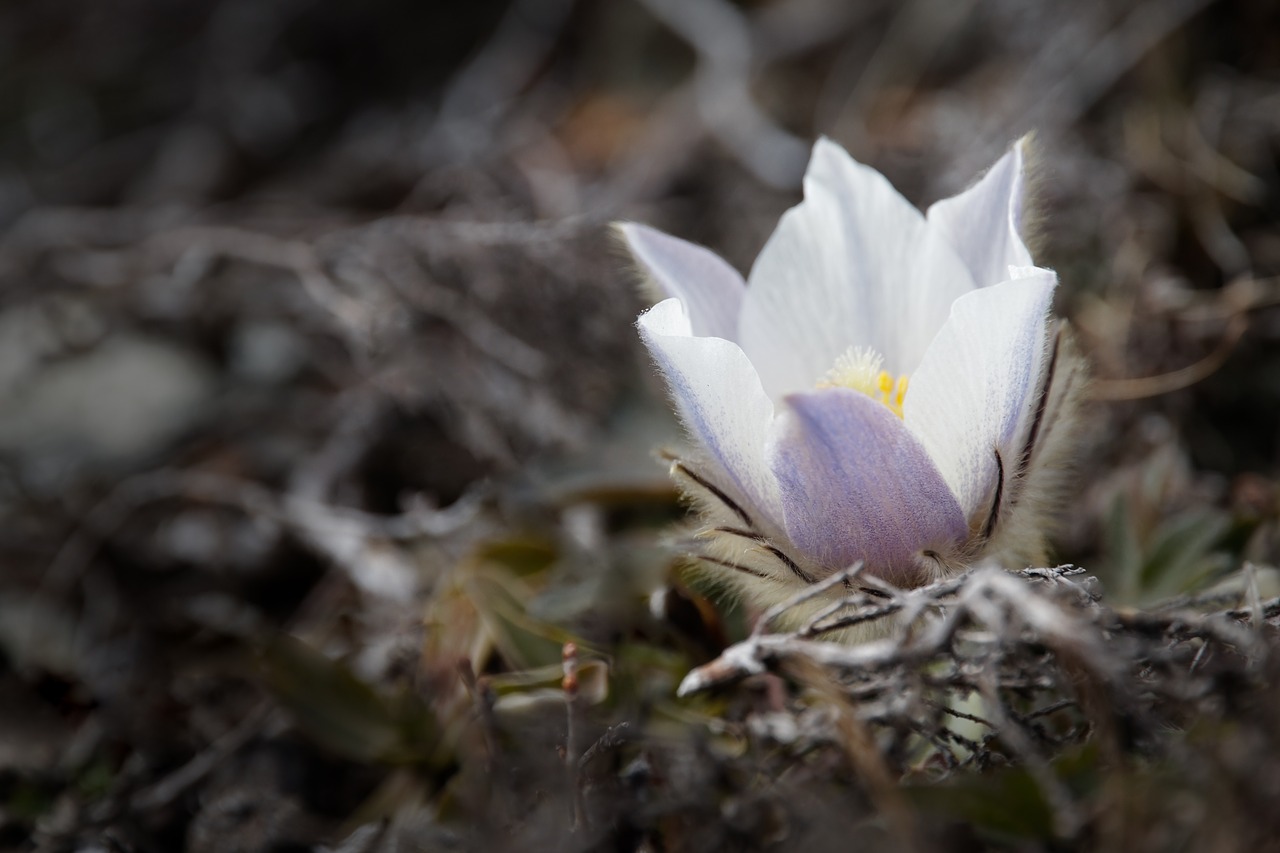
861, 368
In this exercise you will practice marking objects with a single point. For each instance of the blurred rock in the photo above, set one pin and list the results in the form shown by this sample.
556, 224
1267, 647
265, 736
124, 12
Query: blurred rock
128, 397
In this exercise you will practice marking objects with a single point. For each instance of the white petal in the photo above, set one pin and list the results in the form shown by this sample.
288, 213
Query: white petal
855, 264
720, 400
710, 289
857, 485
975, 391
984, 223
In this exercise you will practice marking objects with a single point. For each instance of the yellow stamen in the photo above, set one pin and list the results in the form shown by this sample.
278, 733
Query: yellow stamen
859, 369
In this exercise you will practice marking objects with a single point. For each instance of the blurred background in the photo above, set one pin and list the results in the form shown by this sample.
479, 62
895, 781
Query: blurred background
320, 397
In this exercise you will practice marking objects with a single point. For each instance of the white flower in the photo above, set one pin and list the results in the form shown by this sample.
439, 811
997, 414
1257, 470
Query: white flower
885, 387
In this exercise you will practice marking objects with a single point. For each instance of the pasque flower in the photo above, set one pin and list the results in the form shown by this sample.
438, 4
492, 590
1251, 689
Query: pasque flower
887, 386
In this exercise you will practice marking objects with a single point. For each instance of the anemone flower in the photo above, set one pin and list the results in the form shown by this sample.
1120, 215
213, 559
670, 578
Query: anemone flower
886, 387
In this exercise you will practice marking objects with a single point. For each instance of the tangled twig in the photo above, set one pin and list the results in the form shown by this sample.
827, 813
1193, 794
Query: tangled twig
991, 666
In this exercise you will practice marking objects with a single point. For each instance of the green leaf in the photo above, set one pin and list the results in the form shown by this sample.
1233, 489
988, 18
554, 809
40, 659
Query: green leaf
1181, 555
1006, 802
341, 712
524, 556
593, 680
523, 641
1124, 550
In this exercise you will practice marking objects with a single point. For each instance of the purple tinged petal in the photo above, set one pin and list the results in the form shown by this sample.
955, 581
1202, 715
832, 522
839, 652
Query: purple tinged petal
984, 223
709, 288
856, 485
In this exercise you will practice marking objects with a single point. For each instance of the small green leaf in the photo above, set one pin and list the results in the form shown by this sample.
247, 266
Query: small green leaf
524, 641
342, 712
1181, 555
1005, 802
593, 680
525, 555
